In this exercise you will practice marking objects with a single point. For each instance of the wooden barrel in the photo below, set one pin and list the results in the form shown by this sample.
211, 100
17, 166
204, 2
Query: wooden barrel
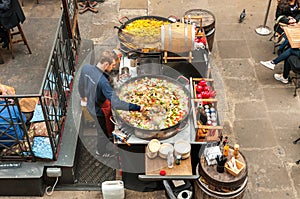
177, 37
212, 184
203, 191
208, 23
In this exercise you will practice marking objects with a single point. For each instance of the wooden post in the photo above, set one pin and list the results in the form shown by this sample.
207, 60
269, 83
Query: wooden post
70, 9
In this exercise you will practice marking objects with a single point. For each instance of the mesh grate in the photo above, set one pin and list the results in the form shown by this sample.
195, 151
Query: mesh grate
91, 170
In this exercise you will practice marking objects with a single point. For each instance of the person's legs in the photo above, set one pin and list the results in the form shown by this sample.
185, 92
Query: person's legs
284, 45
286, 71
295, 51
283, 56
104, 145
101, 135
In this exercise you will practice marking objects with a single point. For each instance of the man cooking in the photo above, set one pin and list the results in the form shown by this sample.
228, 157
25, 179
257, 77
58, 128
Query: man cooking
96, 91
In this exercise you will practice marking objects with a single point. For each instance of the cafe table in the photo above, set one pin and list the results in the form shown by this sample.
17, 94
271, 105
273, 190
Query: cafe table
153, 166
293, 34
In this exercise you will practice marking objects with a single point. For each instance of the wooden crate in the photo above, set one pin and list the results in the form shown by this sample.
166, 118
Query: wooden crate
194, 82
204, 132
240, 166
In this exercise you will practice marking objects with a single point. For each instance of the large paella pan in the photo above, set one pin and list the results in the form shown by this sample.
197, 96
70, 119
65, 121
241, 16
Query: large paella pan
167, 102
141, 34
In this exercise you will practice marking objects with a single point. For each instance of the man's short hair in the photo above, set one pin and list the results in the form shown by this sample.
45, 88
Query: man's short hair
108, 56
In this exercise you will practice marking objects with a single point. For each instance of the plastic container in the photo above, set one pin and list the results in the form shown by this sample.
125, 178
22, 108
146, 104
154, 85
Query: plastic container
113, 189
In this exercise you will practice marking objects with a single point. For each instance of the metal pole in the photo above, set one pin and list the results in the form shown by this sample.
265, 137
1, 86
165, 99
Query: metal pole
263, 29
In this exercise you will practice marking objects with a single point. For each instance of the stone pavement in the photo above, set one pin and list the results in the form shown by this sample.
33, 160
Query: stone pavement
257, 111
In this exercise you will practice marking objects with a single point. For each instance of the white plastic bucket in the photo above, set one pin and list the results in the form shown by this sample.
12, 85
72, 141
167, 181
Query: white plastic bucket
113, 189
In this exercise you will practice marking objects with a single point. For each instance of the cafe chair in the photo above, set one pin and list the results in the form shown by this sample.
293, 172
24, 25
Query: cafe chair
295, 67
13, 40
295, 142
277, 38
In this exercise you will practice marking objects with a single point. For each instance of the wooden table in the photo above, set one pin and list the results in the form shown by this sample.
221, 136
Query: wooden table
293, 34
155, 165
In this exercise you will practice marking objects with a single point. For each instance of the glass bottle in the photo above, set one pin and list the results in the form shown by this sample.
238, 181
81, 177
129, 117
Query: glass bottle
170, 159
178, 159
226, 150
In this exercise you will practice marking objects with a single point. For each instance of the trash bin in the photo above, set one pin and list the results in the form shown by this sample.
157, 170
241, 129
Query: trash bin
208, 23
178, 189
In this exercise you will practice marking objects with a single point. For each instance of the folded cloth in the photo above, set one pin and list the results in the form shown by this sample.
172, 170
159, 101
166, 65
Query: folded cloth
42, 148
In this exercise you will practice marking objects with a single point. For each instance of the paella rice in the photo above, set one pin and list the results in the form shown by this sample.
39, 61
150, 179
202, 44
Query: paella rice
167, 103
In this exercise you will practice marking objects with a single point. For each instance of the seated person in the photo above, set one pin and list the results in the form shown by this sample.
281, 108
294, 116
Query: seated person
291, 60
287, 12
9, 133
4, 7
11, 15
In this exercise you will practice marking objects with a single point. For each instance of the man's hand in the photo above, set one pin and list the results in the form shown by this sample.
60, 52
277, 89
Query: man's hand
142, 109
292, 20
83, 101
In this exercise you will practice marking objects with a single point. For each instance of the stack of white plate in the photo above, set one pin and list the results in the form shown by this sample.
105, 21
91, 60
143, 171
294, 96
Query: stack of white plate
152, 148
164, 150
183, 148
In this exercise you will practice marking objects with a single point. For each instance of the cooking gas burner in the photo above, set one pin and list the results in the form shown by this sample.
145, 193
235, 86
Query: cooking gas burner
126, 129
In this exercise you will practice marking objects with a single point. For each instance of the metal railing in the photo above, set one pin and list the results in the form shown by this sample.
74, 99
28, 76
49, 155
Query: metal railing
18, 140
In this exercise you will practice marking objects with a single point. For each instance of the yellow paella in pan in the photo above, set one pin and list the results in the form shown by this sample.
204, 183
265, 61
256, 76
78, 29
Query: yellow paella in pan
141, 32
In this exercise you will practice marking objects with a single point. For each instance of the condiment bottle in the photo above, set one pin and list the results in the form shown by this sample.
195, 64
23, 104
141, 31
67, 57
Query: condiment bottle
236, 148
225, 141
178, 159
170, 159
225, 150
